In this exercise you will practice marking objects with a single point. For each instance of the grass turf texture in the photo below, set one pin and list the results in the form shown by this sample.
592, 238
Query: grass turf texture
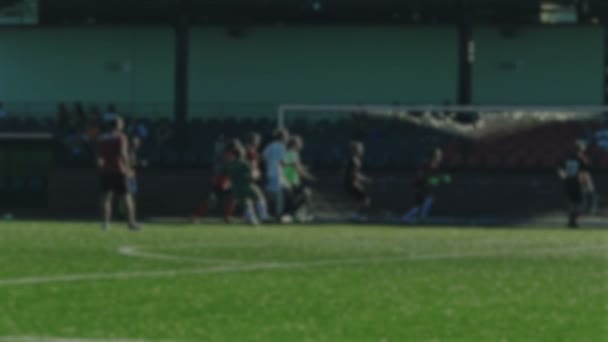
318, 283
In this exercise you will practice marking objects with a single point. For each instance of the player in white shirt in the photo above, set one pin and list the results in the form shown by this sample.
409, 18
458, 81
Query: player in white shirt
273, 156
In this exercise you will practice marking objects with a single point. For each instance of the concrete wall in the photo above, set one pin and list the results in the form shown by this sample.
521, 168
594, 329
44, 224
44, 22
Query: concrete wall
324, 65
544, 66
253, 73
100, 65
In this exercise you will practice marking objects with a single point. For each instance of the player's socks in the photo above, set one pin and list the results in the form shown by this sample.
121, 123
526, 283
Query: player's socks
134, 226
572, 220
201, 210
250, 215
122, 208
411, 215
356, 216
262, 210
426, 207
595, 203
229, 210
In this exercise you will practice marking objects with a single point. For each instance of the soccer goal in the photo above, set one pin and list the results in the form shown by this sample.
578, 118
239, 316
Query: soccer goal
479, 137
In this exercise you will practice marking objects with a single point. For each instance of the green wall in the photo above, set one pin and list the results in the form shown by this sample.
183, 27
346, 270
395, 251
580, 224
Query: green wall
324, 65
46, 65
268, 66
539, 66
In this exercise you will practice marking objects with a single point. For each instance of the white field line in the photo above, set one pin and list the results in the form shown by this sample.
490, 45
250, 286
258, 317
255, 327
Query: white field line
65, 339
219, 244
265, 266
132, 251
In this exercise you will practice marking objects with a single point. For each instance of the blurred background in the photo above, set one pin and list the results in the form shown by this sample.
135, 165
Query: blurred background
505, 87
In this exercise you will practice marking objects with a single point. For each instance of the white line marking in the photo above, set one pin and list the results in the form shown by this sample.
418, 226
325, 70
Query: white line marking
219, 244
65, 339
132, 251
275, 266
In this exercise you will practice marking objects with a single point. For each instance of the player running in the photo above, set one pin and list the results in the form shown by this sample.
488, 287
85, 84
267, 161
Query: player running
253, 156
244, 190
294, 172
115, 168
135, 162
355, 181
428, 177
220, 184
273, 156
572, 171
590, 196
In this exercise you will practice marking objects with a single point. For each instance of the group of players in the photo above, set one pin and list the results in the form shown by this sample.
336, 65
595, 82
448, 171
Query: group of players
238, 177
240, 170
242, 176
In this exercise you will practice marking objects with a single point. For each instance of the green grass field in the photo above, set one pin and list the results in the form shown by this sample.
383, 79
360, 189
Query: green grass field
73, 282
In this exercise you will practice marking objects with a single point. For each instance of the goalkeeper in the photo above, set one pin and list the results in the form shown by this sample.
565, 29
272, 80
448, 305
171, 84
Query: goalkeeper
428, 177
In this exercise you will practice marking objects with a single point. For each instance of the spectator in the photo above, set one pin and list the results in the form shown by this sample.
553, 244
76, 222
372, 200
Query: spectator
73, 142
138, 129
92, 130
63, 116
95, 113
3, 112
164, 132
601, 138
80, 116
110, 114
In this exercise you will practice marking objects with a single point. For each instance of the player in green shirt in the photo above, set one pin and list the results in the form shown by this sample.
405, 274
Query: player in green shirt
244, 190
293, 172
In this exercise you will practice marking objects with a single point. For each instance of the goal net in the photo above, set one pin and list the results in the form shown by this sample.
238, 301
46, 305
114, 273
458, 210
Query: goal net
503, 159
472, 137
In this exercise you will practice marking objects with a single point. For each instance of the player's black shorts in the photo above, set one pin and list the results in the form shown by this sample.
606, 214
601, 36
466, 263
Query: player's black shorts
574, 191
420, 197
357, 192
422, 191
116, 183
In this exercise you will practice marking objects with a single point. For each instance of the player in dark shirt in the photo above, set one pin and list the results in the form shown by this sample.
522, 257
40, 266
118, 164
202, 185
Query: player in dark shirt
428, 177
571, 171
590, 197
220, 183
354, 179
115, 168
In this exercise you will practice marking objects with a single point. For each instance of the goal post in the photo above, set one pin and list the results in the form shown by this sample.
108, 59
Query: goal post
507, 137
541, 113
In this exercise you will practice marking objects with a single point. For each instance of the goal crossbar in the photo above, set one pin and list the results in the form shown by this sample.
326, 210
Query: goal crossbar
285, 108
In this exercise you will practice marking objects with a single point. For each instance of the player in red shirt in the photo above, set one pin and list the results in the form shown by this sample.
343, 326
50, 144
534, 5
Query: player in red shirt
428, 177
253, 156
115, 168
254, 140
220, 184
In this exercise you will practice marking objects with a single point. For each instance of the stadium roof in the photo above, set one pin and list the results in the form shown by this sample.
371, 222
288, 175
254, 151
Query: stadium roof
210, 12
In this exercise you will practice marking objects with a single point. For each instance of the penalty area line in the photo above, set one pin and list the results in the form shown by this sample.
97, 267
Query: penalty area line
71, 339
132, 251
269, 266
